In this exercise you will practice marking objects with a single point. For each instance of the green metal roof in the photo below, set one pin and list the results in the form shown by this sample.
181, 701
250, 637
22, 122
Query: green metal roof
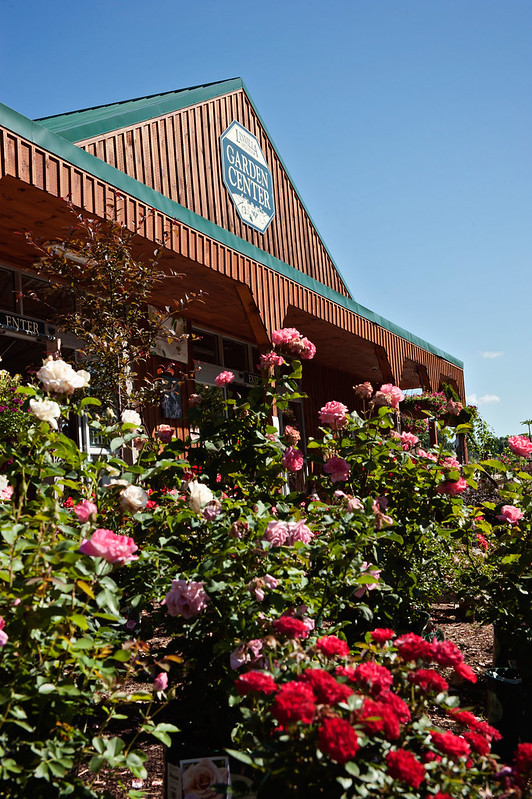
44, 138
76, 126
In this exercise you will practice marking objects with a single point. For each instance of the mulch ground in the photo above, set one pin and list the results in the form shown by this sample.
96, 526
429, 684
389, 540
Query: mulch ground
473, 639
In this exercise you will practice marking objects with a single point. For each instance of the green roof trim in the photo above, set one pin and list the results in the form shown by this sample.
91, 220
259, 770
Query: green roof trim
42, 137
76, 126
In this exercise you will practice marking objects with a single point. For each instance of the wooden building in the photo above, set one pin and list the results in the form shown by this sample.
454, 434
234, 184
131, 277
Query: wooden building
198, 164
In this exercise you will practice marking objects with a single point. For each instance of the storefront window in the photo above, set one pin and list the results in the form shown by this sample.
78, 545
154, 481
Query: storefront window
7, 290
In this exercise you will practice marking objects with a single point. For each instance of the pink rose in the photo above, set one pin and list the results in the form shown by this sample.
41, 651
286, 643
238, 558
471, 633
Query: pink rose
337, 468
408, 440
298, 531
359, 593
3, 636
520, 445
290, 342
85, 510
276, 533
388, 394
109, 546
363, 390
334, 415
293, 459
186, 599
452, 488
164, 433
451, 462
269, 359
454, 408
224, 378
510, 514
160, 683
430, 456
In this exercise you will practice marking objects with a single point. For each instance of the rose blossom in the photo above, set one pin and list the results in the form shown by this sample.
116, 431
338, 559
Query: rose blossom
388, 394
224, 378
382, 634
337, 468
292, 435
289, 341
132, 417
293, 459
212, 510
334, 415
3, 636
85, 510
109, 546
510, 514
338, 739
46, 410
331, 645
450, 744
295, 701
59, 377
164, 433
363, 390
160, 683
520, 445
6, 491
133, 498
270, 359
408, 440
298, 531
200, 495
290, 626
403, 765
276, 533
446, 653
452, 487
258, 682
186, 599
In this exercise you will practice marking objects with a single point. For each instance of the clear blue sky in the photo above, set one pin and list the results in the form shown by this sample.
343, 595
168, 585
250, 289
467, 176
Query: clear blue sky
405, 124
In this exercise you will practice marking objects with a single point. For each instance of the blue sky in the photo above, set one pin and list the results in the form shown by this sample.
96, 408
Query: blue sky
405, 125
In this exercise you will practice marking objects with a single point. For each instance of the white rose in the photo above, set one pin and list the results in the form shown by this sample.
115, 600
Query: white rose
59, 377
46, 411
133, 498
200, 495
85, 376
132, 417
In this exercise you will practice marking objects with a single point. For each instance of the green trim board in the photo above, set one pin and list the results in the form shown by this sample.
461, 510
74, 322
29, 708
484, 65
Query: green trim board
42, 137
76, 126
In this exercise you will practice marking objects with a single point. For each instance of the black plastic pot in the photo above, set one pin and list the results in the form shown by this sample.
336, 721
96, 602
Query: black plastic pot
505, 708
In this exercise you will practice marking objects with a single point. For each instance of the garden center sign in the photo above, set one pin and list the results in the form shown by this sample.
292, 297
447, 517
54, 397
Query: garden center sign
247, 176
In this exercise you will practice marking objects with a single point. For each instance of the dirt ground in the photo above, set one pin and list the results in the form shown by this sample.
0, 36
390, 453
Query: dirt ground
474, 640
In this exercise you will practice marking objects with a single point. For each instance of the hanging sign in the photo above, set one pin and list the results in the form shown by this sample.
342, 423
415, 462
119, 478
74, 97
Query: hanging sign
247, 177
13, 323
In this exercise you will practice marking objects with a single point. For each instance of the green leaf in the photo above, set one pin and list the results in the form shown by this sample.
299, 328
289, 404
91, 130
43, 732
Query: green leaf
240, 756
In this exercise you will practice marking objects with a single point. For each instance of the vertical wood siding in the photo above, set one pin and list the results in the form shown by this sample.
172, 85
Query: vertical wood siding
178, 155
272, 293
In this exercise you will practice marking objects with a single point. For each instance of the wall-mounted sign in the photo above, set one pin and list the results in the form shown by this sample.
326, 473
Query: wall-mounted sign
247, 176
10, 322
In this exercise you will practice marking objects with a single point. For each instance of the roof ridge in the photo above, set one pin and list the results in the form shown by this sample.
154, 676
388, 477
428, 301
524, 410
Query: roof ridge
118, 103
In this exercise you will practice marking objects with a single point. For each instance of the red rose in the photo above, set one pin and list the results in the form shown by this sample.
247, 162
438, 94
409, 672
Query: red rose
376, 717
374, 677
255, 682
330, 645
402, 765
446, 653
478, 743
413, 647
465, 671
450, 744
295, 701
429, 680
291, 627
382, 634
338, 739
523, 758
399, 707
325, 687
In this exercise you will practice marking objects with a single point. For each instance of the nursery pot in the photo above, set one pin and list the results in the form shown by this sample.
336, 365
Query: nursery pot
505, 708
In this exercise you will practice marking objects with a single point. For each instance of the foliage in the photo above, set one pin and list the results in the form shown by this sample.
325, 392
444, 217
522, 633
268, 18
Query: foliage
14, 419
356, 724
108, 290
